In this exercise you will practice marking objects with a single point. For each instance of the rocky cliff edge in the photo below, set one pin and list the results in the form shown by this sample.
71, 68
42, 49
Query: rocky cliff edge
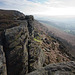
24, 47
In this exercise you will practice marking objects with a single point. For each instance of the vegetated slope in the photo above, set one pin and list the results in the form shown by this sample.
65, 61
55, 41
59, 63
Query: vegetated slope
70, 38
67, 39
27, 45
49, 45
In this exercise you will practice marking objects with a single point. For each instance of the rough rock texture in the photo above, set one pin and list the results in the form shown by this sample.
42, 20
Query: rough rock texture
22, 56
30, 20
11, 15
36, 56
15, 34
3, 70
65, 68
16, 51
25, 47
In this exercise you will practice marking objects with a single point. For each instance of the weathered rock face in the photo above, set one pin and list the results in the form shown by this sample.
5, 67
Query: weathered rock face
36, 56
30, 20
65, 68
35, 53
15, 34
16, 51
3, 70
21, 55
25, 47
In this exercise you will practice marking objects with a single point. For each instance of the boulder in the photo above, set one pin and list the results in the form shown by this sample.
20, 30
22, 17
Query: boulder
3, 70
16, 40
65, 68
36, 56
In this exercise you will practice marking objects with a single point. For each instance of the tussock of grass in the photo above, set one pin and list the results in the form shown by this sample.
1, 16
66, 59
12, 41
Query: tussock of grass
37, 40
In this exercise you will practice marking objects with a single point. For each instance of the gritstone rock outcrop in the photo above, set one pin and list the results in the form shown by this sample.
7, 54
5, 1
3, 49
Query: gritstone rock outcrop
65, 68
16, 32
25, 47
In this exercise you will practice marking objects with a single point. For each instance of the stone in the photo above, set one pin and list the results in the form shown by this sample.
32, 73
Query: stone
16, 50
3, 70
65, 68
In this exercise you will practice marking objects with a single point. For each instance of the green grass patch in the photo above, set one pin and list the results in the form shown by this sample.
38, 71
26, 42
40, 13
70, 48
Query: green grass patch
37, 40
37, 37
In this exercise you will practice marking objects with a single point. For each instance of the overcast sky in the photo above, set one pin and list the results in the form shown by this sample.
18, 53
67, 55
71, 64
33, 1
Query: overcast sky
40, 7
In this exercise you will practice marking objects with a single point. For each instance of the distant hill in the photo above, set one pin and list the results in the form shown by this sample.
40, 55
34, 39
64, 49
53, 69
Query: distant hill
66, 26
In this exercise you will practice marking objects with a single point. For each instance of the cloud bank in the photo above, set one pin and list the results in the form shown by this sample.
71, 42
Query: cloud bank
40, 7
